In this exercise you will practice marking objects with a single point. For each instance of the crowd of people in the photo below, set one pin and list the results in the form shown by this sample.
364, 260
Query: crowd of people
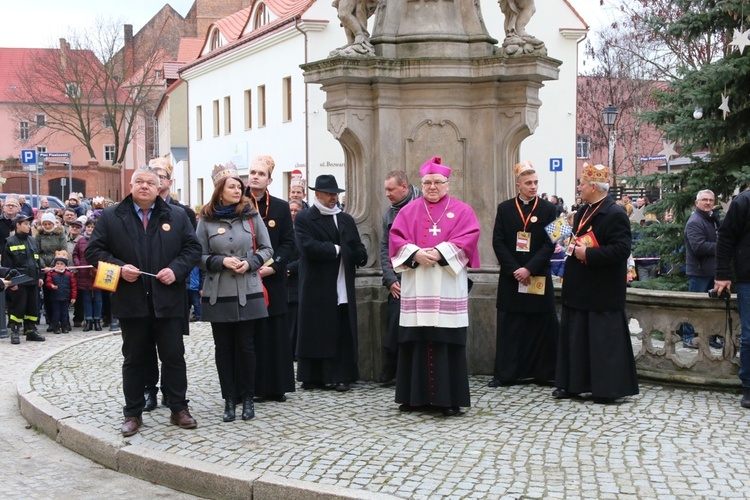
275, 280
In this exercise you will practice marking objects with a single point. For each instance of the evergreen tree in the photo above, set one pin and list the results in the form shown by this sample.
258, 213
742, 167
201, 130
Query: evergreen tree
727, 168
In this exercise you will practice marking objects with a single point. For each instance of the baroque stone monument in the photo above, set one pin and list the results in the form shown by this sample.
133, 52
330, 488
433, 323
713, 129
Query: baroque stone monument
431, 81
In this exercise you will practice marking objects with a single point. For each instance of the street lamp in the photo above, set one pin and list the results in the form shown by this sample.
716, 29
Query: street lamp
610, 116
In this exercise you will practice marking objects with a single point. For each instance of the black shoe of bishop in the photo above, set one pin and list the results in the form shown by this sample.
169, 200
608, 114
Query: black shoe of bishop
561, 394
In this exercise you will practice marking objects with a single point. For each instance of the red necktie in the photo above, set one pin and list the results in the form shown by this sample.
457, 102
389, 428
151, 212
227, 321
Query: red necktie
144, 216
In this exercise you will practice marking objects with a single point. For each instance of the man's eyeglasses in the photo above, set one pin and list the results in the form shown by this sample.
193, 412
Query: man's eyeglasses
435, 183
164, 177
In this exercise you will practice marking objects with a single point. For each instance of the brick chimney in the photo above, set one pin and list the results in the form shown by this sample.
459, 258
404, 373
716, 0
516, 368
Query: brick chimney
129, 62
64, 48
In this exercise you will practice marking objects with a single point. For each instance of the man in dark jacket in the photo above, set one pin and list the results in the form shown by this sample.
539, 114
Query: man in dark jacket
527, 325
330, 249
156, 246
399, 192
594, 353
733, 246
700, 242
700, 250
274, 370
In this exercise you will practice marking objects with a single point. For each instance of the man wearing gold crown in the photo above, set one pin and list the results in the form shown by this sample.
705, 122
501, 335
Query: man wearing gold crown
527, 325
433, 242
594, 353
156, 247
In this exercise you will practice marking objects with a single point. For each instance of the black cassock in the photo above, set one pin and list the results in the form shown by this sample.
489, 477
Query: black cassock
527, 324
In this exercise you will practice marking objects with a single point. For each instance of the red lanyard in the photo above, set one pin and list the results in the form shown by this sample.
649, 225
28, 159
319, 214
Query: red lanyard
520, 212
584, 219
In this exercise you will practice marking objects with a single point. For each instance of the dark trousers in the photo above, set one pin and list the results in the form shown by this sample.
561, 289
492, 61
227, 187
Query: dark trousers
60, 312
235, 358
194, 301
139, 336
24, 303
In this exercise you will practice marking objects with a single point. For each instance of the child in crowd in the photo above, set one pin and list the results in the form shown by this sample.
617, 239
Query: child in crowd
61, 285
195, 285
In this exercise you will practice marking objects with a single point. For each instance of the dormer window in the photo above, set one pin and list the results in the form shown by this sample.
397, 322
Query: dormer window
215, 39
261, 16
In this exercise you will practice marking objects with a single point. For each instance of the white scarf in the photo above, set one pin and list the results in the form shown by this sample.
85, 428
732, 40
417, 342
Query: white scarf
341, 296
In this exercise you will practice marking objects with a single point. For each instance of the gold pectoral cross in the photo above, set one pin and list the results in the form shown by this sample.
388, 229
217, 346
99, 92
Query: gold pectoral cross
435, 230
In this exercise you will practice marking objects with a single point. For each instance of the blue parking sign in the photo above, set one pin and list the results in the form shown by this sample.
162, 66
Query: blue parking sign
28, 156
555, 164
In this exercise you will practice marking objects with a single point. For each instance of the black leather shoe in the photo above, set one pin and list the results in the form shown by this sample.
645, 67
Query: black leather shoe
229, 410
451, 411
309, 386
248, 409
603, 401
97, 325
561, 394
745, 402
279, 398
150, 403
405, 408
34, 337
341, 387
89, 325
494, 383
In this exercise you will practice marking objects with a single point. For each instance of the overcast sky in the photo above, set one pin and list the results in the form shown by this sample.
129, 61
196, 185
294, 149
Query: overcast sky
40, 23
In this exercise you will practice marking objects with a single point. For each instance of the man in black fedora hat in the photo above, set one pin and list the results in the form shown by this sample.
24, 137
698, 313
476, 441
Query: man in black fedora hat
330, 249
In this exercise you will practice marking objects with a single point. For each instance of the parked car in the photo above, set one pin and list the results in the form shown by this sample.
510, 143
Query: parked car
33, 200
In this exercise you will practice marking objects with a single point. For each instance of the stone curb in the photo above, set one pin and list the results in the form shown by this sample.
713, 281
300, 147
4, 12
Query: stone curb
179, 473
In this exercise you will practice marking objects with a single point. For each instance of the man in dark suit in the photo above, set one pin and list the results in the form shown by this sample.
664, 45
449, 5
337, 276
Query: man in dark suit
163, 169
527, 325
330, 249
594, 354
274, 370
155, 245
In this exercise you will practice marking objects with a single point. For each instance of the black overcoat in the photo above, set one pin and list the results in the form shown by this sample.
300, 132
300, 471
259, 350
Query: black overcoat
537, 261
600, 283
316, 235
169, 241
281, 231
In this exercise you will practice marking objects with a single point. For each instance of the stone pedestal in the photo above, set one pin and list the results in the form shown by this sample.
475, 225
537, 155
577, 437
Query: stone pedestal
437, 86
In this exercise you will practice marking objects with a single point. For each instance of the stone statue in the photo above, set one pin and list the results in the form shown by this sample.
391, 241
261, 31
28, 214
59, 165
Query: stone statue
517, 14
353, 15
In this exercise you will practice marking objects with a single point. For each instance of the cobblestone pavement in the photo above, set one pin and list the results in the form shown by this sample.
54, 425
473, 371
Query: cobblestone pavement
514, 442
34, 466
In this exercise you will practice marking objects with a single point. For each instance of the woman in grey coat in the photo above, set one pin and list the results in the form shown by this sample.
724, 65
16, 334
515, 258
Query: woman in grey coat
235, 245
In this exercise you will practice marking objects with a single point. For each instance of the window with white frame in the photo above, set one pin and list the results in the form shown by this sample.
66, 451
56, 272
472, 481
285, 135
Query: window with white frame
262, 106
198, 123
23, 131
109, 152
286, 89
215, 39
41, 149
227, 115
583, 146
41, 120
261, 16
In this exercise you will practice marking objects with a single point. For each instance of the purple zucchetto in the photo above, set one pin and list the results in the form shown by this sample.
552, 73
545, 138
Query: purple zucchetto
435, 166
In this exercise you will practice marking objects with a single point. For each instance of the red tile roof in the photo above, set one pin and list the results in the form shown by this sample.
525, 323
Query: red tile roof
231, 26
15, 61
190, 49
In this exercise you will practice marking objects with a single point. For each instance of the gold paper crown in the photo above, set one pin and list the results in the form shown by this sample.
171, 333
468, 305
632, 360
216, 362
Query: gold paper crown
522, 168
264, 161
595, 173
162, 163
222, 171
